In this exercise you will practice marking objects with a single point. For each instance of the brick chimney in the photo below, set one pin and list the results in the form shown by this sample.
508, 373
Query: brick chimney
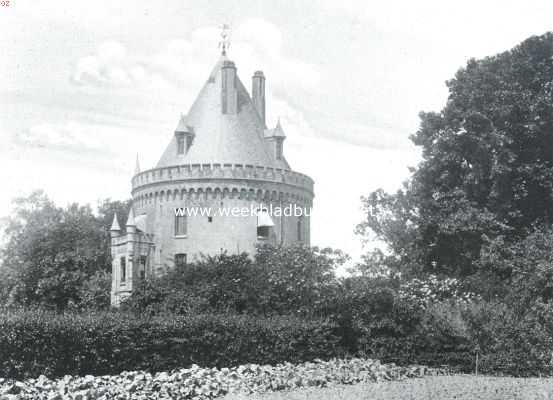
258, 93
229, 94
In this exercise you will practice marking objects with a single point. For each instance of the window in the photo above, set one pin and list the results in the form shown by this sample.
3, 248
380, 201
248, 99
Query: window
300, 228
142, 267
264, 224
180, 260
180, 145
180, 225
209, 219
263, 232
123, 269
188, 142
279, 150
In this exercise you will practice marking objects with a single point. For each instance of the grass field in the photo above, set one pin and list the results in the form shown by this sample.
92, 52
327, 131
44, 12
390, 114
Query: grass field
458, 387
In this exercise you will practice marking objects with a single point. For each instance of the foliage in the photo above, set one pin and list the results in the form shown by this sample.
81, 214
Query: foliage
34, 343
198, 383
279, 280
433, 289
54, 255
94, 292
486, 171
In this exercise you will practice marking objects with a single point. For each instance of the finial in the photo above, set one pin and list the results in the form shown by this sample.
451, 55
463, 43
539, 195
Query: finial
224, 43
137, 166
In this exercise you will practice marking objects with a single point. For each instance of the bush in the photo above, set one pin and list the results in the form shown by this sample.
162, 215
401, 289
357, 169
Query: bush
287, 280
34, 343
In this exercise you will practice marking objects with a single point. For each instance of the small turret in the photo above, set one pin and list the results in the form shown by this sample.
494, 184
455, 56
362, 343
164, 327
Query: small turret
131, 224
184, 135
115, 229
276, 138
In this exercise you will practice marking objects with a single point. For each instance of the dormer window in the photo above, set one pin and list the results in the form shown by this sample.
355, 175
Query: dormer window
180, 144
184, 142
188, 142
279, 150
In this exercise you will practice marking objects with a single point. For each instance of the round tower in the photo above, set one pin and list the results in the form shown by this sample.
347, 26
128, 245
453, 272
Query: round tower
223, 183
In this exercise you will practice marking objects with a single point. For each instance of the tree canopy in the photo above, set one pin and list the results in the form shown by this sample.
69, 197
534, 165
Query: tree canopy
486, 175
55, 256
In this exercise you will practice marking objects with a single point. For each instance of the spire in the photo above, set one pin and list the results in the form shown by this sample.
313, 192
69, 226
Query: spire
137, 166
278, 131
115, 224
130, 219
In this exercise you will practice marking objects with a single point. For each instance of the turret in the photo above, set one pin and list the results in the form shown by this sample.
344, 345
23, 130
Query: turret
229, 94
258, 93
184, 135
115, 229
131, 224
276, 137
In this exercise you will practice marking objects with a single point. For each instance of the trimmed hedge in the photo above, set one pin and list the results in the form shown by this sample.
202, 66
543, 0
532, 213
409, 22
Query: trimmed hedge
34, 343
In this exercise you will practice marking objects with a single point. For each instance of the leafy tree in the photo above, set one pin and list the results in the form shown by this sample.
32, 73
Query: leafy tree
486, 169
52, 252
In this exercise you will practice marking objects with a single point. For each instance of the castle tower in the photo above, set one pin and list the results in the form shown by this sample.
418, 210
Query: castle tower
220, 158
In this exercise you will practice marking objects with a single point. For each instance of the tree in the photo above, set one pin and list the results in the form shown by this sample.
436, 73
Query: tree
486, 169
52, 252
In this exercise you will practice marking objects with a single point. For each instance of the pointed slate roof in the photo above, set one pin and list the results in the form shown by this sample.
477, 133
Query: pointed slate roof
137, 166
221, 138
115, 225
277, 131
130, 219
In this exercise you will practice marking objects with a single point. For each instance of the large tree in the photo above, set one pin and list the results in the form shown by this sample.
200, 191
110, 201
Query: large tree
486, 174
55, 256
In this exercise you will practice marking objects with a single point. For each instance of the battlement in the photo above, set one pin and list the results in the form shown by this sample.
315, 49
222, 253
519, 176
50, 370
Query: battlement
222, 171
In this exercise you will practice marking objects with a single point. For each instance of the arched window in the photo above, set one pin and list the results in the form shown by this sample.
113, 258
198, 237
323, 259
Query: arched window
180, 222
279, 150
180, 144
300, 228
123, 269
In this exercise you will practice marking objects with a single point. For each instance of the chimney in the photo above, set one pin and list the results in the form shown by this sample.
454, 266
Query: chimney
229, 100
258, 94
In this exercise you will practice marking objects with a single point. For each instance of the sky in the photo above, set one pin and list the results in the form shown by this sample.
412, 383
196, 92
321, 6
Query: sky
85, 86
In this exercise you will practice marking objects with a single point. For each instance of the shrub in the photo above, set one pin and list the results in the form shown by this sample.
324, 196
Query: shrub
34, 343
294, 280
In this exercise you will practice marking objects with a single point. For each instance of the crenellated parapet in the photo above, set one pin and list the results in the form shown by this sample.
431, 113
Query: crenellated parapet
221, 181
189, 172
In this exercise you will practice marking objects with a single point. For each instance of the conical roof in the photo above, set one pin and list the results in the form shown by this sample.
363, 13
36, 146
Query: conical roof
130, 219
221, 138
115, 224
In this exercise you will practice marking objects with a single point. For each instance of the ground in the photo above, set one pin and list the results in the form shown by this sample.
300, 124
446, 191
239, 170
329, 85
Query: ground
458, 387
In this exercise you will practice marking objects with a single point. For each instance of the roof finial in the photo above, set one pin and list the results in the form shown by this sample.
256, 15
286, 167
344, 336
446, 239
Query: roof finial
137, 166
224, 43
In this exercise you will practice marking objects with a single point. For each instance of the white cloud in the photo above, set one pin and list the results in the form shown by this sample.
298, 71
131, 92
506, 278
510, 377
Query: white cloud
112, 66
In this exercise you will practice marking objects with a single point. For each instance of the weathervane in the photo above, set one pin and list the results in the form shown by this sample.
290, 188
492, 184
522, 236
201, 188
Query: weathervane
224, 44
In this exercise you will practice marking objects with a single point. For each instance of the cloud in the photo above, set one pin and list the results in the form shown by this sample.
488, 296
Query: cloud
112, 65
256, 44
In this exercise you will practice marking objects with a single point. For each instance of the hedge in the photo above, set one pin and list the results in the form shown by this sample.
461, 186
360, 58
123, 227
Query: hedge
34, 343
